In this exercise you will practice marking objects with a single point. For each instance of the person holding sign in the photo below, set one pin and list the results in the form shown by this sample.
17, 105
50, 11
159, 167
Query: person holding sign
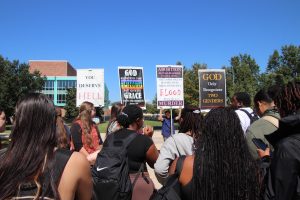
85, 134
167, 123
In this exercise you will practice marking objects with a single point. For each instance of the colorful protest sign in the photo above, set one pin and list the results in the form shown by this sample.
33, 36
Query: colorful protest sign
212, 88
169, 86
90, 86
132, 85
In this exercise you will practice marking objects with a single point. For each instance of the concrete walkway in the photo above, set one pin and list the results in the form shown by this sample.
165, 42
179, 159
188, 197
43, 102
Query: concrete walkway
158, 141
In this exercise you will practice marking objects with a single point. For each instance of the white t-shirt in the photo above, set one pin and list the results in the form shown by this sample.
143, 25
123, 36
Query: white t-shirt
244, 118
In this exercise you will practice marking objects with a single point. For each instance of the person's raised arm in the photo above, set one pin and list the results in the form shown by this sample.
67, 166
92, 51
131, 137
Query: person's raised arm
160, 118
152, 155
179, 115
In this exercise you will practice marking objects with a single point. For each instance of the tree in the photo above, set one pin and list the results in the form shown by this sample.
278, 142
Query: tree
191, 84
283, 67
106, 96
242, 76
70, 107
151, 108
15, 82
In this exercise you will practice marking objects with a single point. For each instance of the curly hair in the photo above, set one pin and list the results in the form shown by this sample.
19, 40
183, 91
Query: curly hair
288, 101
190, 120
223, 166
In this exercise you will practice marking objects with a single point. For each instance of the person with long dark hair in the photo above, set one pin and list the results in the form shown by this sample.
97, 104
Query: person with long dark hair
267, 124
140, 151
85, 135
63, 132
113, 124
179, 144
222, 167
32, 167
283, 181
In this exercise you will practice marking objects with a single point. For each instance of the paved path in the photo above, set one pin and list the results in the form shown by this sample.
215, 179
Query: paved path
158, 141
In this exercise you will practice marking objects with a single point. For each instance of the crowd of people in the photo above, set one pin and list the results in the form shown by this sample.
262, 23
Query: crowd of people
47, 160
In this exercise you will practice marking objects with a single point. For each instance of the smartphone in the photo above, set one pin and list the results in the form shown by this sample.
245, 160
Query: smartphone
259, 143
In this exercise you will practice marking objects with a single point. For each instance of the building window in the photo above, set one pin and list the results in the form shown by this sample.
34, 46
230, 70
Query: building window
49, 85
51, 96
65, 84
61, 98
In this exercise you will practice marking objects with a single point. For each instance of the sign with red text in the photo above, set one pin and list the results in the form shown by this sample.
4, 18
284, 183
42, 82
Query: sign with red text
212, 88
90, 86
132, 85
169, 86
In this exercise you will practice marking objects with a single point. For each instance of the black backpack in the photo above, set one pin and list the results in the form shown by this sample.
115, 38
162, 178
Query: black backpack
111, 171
252, 116
172, 189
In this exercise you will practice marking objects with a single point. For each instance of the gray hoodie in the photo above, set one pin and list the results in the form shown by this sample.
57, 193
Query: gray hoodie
177, 145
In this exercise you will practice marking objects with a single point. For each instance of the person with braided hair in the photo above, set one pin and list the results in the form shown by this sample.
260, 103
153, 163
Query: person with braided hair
222, 167
283, 178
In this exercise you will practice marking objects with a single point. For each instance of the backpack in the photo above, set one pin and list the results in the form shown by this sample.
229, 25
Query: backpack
172, 188
252, 116
111, 171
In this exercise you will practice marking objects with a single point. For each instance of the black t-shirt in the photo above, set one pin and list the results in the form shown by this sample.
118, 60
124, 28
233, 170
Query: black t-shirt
29, 189
137, 148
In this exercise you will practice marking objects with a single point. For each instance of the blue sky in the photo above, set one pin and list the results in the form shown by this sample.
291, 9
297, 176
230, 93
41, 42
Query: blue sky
108, 34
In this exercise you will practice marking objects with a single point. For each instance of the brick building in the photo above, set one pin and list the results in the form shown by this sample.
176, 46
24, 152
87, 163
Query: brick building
52, 68
60, 75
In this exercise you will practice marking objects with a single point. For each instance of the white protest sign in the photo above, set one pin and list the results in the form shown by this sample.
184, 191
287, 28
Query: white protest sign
90, 86
169, 86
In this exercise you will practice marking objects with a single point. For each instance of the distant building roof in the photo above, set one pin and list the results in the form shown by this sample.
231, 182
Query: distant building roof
52, 67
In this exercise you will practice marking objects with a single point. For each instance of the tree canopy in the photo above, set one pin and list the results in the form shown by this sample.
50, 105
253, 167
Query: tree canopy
191, 84
15, 82
242, 75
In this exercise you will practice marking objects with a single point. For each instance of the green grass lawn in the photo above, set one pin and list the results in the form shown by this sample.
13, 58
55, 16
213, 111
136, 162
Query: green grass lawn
102, 127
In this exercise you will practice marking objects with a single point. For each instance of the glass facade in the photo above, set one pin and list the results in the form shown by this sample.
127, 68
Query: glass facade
56, 88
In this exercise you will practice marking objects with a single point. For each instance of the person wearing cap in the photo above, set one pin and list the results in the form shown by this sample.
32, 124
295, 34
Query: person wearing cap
167, 123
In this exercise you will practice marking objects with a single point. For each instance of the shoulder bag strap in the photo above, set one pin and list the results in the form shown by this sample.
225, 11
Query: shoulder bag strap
179, 165
176, 145
141, 171
126, 141
272, 120
245, 111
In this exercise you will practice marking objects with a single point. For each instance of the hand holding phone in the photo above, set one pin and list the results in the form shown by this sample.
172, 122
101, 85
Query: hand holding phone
259, 144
